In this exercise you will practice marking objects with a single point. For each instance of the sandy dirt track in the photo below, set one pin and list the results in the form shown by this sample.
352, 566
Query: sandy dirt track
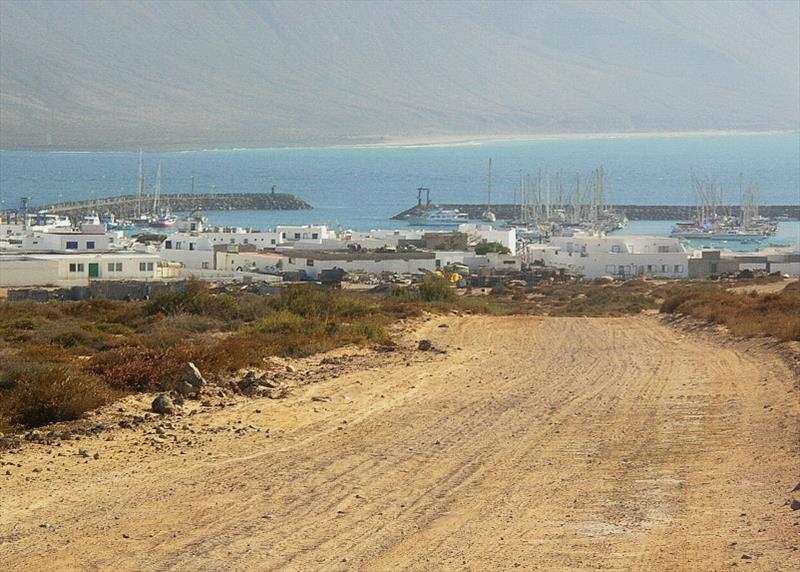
532, 444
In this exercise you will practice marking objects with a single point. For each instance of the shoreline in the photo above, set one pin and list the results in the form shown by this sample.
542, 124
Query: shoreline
423, 142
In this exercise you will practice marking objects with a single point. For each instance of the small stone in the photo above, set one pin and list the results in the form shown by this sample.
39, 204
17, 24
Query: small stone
746, 557
125, 535
796, 488
84, 453
45, 525
425, 345
163, 404
96, 456
795, 504
290, 368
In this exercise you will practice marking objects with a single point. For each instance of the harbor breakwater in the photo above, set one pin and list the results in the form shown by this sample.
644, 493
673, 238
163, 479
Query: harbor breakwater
127, 206
633, 212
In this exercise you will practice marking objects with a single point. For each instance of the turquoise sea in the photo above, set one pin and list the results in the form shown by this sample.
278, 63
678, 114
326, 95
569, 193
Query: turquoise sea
361, 187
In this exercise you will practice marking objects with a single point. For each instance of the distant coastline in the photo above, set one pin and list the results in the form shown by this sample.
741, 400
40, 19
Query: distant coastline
412, 142
466, 140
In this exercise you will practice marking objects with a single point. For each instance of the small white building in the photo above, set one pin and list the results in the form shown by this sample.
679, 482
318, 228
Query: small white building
190, 250
619, 256
487, 233
23, 270
294, 233
312, 262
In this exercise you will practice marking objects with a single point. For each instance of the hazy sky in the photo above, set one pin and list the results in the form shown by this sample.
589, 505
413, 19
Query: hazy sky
196, 74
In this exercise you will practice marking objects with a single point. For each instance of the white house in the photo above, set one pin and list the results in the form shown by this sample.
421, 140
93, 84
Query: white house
623, 256
22, 270
190, 250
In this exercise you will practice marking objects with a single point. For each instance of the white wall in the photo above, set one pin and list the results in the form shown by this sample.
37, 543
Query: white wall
790, 268
394, 265
233, 261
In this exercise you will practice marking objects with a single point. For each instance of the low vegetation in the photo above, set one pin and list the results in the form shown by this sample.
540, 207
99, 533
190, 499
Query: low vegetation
745, 314
60, 359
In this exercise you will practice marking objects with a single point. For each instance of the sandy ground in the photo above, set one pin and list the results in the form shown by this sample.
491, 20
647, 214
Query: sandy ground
531, 444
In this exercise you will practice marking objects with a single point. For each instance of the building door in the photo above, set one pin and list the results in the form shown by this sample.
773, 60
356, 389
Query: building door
94, 270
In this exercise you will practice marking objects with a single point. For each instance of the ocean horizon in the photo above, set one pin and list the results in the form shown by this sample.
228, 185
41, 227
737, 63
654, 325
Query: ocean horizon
362, 187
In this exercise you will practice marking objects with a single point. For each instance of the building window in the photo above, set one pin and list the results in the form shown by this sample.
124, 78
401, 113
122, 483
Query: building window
233, 241
111, 267
615, 248
90, 244
76, 267
191, 245
168, 245
72, 245
610, 268
118, 267
649, 267
178, 245
315, 235
309, 262
142, 266
679, 268
291, 260
272, 241
663, 248
246, 241
297, 236
205, 265
663, 268
150, 266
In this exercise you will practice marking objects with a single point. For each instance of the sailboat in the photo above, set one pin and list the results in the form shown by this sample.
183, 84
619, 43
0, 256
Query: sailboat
165, 219
488, 215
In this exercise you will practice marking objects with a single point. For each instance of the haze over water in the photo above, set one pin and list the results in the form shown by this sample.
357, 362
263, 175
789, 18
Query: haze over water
362, 187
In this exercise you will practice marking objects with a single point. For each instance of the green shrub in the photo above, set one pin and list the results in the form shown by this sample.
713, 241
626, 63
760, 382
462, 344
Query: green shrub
484, 247
434, 289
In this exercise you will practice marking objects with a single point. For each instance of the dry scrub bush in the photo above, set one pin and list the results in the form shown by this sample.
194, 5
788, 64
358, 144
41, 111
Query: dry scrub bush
49, 393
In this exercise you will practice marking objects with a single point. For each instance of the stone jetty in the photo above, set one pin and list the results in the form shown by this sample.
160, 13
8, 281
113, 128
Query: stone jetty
126, 206
633, 212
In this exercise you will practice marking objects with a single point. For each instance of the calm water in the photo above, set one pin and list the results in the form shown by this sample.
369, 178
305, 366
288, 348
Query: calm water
362, 187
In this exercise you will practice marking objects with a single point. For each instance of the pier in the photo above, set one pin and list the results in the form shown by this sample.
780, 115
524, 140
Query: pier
633, 212
126, 206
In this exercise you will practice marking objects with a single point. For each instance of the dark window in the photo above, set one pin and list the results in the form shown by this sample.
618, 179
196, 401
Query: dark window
309, 262
168, 244
73, 267
297, 236
150, 267
191, 246
142, 267
315, 235
72, 245
89, 244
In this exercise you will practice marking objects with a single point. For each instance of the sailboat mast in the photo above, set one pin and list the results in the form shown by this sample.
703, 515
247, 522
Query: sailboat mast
489, 189
141, 185
158, 189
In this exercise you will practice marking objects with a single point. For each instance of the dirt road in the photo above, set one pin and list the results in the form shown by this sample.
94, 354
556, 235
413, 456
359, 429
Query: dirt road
532, 444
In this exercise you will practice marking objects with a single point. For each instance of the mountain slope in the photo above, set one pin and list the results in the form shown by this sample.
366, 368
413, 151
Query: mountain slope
114, 74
